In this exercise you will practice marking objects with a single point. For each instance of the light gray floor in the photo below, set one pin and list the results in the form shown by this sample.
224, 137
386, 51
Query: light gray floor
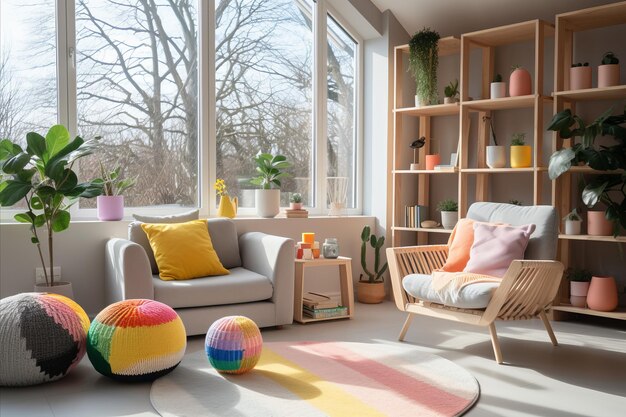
583, 377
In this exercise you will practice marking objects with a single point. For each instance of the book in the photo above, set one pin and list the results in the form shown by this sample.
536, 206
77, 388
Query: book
444, 168
325, 313
317, 301
291, 214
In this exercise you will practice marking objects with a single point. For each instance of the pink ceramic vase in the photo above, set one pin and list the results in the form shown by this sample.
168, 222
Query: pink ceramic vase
520, 83
432, 160
578, 293
598, 225
602, 294
110, 207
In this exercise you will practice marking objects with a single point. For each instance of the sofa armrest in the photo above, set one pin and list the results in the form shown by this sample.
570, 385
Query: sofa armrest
273, 257
127, 271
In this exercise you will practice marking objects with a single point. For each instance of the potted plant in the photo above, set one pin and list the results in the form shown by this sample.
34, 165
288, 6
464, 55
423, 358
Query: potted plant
451, 92
521, 155
423, 63
270, 170
608, 72
42, 176
579, 280
607, 187
110, 205
295, 201
449, 213
515, 202
496, 154
519, 82
227, 207
498, 87
602, 294
371, 290
580, 76
573, 223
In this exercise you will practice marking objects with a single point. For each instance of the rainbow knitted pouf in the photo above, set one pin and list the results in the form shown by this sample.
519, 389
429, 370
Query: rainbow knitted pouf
136, 340
233, 344
42, 337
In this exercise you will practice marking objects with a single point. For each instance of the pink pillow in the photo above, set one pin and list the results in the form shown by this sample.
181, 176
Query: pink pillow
496, 246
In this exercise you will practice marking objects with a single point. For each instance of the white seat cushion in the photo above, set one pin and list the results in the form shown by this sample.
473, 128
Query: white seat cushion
241, 286
475, 295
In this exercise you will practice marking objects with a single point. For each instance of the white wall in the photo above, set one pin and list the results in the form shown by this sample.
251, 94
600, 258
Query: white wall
80, 252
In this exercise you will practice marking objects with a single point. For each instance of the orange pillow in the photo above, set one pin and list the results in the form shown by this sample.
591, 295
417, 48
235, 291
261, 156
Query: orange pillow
459, 246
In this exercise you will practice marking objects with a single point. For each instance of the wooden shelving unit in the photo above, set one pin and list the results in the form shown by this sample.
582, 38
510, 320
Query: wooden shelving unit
567, 24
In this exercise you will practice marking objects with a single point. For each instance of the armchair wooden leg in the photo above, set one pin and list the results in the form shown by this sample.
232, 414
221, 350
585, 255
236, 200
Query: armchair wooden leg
495, 343
407, 323
546, 323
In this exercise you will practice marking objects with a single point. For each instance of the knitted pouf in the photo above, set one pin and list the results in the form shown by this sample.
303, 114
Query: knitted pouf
42, 337
136, 340
233, 344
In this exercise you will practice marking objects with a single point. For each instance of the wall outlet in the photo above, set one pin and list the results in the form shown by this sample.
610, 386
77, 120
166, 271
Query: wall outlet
40, 278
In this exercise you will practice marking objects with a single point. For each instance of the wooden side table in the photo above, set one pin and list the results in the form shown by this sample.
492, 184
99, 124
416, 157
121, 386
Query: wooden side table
345, 280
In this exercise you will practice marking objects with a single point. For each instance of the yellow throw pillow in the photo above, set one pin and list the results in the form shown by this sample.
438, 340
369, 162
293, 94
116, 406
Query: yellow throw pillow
183, 250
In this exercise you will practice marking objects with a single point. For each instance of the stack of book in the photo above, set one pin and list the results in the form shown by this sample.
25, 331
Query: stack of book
320, 306
414, 215
291, 214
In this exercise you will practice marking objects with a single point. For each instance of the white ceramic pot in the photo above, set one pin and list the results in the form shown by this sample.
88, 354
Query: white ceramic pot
449, 219
60, 287
449, 100
498, 90
573, 227
267, 203
496, 156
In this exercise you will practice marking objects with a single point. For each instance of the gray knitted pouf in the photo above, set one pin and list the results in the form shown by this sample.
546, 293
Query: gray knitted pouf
42, 337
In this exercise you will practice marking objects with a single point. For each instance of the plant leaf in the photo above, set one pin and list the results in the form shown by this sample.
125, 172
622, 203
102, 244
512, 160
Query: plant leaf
16, 163
592, 192
560, 162
61, 221
13, 192
56, 139
27, 217
36, 144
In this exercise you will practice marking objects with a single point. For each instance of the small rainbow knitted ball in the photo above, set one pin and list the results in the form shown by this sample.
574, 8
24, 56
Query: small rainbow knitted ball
233, 344
136, 340
42, 337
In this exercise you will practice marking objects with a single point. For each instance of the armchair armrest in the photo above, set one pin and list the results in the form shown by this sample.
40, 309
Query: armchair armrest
412, 260
273, 257
127, 271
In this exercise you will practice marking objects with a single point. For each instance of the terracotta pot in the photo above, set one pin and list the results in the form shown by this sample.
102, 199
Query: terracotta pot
598, 225
432, 160
608, 75
295, 206
573, 227
498, 90
110, 207
579, 78
520, 83
367, 293
496, 156
602, 295
60, 287
521, 156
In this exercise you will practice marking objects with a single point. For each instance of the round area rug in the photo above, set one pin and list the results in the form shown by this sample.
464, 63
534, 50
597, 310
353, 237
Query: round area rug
320, 379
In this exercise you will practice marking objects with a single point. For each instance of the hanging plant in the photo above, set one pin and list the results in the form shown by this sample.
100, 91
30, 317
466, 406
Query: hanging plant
423, 63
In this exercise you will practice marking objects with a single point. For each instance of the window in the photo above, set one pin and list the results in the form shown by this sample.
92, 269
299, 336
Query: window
134, 74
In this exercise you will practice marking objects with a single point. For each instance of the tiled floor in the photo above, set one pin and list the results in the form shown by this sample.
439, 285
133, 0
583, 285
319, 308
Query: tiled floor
583, 377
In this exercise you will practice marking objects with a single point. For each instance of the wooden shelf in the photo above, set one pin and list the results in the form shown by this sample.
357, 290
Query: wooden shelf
619, 314
593, 18
497, 170
611, 239
589, 170
423, 229
449, 45
604, 93
505, 103
422, 171
306, 319
434, 110
506, 35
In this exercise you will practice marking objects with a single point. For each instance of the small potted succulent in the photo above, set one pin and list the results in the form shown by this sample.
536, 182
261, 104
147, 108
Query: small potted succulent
573, 223
580, 76
372, 289
449, 213
520, 152
579, 280
608, 72
451, 92
498, 87
520, 83
295, 201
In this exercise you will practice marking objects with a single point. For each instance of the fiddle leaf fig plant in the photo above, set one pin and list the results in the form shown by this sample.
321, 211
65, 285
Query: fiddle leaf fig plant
608, 188
42, 176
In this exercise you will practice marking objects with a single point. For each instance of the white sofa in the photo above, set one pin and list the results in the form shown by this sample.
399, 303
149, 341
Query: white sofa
260, 284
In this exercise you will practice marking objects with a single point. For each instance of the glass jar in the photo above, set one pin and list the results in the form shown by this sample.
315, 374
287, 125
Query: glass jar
330, 248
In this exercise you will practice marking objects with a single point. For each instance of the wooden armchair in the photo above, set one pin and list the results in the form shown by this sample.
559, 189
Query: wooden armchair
526, 291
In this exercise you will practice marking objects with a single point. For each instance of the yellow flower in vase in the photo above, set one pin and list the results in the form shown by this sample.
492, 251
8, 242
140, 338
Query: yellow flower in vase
220, 186
226, 208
